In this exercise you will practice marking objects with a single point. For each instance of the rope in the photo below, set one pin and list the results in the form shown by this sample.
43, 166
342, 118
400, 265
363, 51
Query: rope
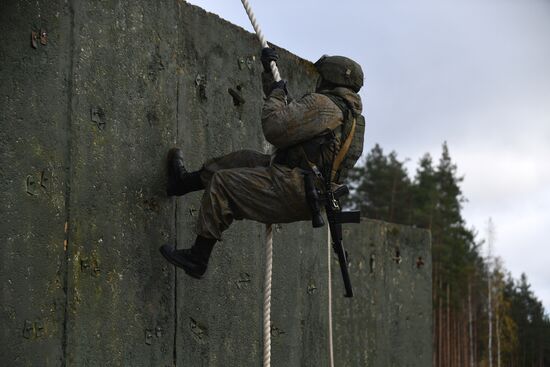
330, 342
268, 227
256, 26
269, 236
267, 294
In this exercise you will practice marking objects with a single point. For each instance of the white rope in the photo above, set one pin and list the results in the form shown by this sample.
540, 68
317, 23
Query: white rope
269, 237
267, 294
268, 227
330, 341
252, 17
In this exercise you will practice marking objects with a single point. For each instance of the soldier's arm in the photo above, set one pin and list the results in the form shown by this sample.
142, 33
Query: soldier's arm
285, 124
267, 82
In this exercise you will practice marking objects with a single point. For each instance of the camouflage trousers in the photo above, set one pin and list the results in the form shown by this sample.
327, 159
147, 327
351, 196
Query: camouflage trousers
243, 185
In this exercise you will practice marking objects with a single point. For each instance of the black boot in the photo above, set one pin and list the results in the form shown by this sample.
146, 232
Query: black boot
180, 182
193, 260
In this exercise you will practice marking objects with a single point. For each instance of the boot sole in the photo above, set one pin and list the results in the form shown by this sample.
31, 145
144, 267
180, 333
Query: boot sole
169, 258
171, 186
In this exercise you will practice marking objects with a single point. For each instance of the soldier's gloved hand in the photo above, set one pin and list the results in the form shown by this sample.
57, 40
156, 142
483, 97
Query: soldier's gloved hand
281, 84
268, 54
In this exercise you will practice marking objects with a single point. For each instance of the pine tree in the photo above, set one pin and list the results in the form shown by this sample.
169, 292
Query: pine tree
381, 188
453, 243
529, 315
424, 194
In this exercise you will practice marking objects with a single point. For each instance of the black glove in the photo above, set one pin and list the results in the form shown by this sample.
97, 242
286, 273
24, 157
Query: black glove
281, 84
268, 55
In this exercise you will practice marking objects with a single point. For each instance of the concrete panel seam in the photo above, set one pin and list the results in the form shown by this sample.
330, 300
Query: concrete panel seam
175, 359
68, 162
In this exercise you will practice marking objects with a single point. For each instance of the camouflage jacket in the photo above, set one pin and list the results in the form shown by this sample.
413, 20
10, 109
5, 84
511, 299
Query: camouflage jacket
295, 126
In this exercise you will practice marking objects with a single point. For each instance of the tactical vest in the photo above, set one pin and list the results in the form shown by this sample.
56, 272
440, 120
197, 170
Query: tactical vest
322, 150
356, 148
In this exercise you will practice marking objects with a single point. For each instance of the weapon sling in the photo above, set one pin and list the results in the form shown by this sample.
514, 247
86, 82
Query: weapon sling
335, 215
344, 150
333, 210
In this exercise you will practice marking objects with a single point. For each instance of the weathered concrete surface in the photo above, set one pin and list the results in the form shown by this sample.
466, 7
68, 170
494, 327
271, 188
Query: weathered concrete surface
123, 120
388, 321
87, 120
34, 103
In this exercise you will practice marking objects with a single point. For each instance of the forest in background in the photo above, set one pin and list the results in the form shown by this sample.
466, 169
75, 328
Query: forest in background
482, 316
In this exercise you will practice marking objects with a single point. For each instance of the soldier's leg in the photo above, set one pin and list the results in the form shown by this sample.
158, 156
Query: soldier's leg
265, 194
239, 159
180, 181
195, 260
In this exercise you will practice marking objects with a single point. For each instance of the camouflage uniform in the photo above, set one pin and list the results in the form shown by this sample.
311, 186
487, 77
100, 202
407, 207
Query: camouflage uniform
250, 185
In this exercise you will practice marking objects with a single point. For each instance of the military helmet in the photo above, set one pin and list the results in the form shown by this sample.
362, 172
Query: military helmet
341, 71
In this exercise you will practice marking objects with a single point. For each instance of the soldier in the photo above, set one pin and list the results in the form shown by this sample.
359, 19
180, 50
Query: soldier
308, 134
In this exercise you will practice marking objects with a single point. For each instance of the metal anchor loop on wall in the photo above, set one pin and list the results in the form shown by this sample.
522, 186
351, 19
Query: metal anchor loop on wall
397, 257
238, 99
200, 82
98, 116
39, 36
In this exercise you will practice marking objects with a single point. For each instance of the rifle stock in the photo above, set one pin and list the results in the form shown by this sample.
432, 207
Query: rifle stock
338, 247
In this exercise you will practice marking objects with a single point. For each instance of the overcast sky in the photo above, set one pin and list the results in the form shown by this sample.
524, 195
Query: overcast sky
474, 73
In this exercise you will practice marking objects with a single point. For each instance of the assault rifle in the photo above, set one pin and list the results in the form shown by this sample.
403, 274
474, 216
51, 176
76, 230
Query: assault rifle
335, 217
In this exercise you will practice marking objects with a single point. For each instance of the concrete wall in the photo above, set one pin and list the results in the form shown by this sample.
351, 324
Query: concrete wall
87, 118
388, 322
